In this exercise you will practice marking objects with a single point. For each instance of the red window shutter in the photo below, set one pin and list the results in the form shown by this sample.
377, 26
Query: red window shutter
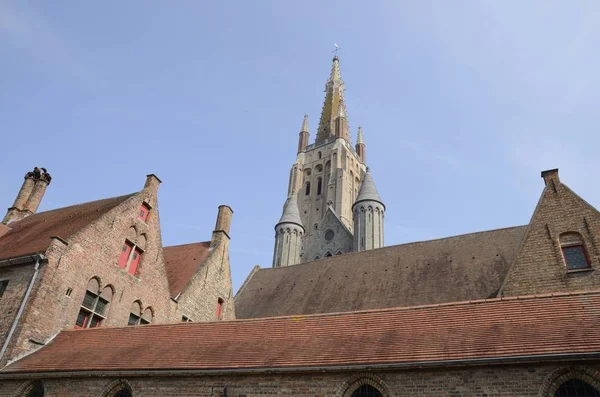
144, 211
125, 251
135, 261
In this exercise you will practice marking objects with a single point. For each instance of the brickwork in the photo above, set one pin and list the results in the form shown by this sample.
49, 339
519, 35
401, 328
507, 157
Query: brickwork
495, 381
199, 299
539, 267
18, 278
94, 251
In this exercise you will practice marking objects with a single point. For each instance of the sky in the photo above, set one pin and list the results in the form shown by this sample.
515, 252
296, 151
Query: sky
462, 104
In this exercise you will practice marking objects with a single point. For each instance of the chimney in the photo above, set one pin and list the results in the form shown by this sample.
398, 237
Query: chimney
30, 196
152, 182
223, 223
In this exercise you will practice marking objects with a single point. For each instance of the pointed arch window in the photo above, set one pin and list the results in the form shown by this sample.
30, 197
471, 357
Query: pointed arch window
94, 306
307, 189
319, 185
136, 317
573, 250
220, 309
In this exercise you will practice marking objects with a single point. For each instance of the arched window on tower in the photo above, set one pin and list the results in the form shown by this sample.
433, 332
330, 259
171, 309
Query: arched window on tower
576, 388
307, 190
319, 185
366, 391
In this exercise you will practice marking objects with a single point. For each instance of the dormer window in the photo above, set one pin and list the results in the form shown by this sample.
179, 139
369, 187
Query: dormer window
574, 252
144, 211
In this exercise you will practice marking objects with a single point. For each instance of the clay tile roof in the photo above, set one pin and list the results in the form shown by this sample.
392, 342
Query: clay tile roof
182, 262
467, 267
32, 234
498, 330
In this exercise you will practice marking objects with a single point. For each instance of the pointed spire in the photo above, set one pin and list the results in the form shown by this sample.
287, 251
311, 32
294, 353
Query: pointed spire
305, 123
291, 214
334, 98
359, 138
368, 191
335, 75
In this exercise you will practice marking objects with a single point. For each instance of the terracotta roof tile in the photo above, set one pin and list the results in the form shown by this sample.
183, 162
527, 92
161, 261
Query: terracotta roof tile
182, 262
458, 268
489, 329
32, 234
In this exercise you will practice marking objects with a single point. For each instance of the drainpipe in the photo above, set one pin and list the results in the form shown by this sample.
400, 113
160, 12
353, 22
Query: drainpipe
36, 269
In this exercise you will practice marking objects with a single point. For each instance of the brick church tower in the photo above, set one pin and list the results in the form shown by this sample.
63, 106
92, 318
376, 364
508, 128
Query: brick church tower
325, 187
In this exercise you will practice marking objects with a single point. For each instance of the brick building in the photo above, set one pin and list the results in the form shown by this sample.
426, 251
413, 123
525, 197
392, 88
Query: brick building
102, 264
506, 312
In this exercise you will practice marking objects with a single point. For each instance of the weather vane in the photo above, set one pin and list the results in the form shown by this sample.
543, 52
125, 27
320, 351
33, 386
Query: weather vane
336, 48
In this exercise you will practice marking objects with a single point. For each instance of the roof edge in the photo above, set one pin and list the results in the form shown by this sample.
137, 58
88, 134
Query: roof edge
351, 367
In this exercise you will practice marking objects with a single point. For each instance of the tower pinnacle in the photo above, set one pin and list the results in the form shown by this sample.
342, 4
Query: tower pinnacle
359, 138
305, 123
334, 99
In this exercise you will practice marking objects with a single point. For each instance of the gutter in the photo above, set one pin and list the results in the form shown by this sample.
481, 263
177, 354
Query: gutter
21, 260
332, 368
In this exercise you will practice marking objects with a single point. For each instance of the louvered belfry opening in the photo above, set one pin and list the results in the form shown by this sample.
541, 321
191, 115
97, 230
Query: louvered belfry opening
576, 388
366, 391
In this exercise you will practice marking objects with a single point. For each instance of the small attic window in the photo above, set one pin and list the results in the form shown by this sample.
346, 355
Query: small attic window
574, 252
144, 211
220, 309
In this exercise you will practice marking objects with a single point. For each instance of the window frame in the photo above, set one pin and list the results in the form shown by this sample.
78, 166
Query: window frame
91, 313
134, 249
3, 287
148, 208
579, 243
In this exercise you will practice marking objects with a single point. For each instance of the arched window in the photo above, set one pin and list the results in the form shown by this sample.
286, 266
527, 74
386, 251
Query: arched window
576, 388
307, 191
136, 313
366, 391
574, 252
32, 389
118, 388
94, 306
147, 316
220, 309
328, 254
319, 185
319, 154
339, 253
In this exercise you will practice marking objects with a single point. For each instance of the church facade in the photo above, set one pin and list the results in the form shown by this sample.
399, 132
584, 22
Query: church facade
505, 312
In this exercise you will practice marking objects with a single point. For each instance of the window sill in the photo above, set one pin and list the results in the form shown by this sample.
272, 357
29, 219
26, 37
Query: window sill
589, 269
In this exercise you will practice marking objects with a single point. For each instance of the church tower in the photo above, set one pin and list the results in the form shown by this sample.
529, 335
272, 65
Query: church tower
324, 183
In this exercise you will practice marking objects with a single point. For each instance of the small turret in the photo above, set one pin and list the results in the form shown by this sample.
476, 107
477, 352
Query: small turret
288, 235
341, 123
368, 212
360, 146
304, 134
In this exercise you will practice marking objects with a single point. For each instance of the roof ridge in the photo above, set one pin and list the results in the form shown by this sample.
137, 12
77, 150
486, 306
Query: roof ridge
394, 246
366, 311
181, 245
124, 196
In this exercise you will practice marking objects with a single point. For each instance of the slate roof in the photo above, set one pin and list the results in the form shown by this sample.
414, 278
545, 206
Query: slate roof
182, 262
465, 267
497, 330
32, 234
290, 213
368, 191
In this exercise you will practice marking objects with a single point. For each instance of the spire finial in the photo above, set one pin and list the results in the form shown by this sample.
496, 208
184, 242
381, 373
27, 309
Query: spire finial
305, 123
359, 138
335, 75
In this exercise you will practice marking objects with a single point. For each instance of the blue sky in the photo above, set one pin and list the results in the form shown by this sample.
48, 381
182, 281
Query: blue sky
462, 103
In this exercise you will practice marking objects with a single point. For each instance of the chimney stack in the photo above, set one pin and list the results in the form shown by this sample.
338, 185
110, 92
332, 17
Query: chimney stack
223, 223
30, 196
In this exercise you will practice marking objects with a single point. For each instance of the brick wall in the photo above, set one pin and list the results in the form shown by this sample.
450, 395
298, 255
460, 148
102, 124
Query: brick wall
212, 282
18, 279
490, 381
539, 266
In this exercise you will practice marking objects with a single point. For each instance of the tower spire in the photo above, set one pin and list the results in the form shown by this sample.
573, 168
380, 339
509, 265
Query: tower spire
360, 147
334, 104
303, 138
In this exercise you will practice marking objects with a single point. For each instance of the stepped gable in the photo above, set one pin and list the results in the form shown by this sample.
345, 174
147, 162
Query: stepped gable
182, 262
494, 331
33, 234
465, 267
